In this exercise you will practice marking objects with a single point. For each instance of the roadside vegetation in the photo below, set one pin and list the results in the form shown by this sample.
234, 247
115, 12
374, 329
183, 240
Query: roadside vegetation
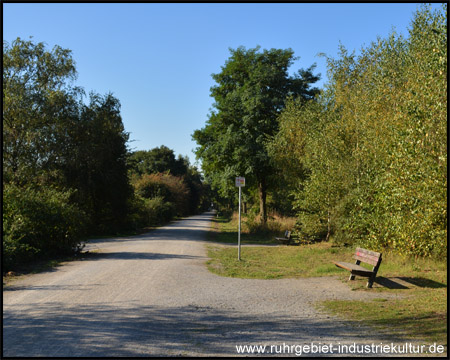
361, 162
68, 172
419, 313
225, 228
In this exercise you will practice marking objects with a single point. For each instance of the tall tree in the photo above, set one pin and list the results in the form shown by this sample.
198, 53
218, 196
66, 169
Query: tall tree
157, 160
374, 145
95, 162
250, 93
51, 138
37, 99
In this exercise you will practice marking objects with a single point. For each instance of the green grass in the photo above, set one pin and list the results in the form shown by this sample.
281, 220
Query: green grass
422, 315
270, 262
418, 313
274, 262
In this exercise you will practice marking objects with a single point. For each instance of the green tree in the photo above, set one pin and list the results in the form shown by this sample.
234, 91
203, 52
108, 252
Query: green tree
157, 160
53, 139
162, 160
95, 155
373, 147
250, 93
37, 101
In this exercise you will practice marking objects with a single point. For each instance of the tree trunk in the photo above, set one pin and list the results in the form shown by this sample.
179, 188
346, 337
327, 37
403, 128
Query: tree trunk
328, 226
262, 201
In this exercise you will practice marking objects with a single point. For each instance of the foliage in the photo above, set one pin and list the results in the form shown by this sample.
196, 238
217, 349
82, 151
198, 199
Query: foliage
54, 143
157, 160
159, 197
368, 159
250, 93
162, 160
95, 163
159, 211
37, 101
73, 151
167, 188
39, 222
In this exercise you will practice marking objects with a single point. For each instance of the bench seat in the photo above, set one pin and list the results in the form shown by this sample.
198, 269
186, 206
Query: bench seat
355, 269
365, 256
286, 239
283, 240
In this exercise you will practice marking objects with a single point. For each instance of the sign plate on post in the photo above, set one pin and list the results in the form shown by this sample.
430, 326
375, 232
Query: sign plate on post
240, 181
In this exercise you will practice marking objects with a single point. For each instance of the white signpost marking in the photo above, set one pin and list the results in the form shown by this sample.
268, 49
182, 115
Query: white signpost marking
240, 182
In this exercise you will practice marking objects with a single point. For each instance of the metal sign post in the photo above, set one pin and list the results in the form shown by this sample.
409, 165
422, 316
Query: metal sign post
239, 232
240, 182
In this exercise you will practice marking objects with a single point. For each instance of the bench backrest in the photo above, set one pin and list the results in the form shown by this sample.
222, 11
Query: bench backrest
367, 256
287, 234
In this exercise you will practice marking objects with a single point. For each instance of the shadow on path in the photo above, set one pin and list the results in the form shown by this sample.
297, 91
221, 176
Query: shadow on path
124, 329
187, 229
128, 255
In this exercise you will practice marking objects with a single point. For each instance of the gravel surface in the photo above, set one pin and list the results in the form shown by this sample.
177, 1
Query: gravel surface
151, 295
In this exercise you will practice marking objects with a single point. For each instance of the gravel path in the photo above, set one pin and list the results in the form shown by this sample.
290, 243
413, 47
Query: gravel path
151, 295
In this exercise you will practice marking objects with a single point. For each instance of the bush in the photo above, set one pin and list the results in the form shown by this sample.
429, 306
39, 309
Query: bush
170, 189
151, 186
158, 211
150, 212
136, 213
39, 222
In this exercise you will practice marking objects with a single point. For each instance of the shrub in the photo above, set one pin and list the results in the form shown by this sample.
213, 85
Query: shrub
151, 186
39, 222
136, 214
158, 211
170, 189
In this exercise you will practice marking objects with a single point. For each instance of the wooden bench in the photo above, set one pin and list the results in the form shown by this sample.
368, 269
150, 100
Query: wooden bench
365, 256
286, 239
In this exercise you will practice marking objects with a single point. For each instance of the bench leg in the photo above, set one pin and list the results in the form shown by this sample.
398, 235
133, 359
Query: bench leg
375, 270
352, 277
370, 282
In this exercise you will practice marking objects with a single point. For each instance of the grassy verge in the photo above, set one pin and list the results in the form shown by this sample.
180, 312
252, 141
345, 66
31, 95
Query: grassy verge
225, 230
419, 314
422, 315
275, 262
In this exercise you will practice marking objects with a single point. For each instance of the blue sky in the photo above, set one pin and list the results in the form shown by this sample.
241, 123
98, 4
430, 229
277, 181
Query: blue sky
157, 59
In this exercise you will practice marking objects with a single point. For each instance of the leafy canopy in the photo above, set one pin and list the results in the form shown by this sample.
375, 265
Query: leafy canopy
251, 91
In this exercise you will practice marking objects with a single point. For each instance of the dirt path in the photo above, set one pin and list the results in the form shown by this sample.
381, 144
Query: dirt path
151, 295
